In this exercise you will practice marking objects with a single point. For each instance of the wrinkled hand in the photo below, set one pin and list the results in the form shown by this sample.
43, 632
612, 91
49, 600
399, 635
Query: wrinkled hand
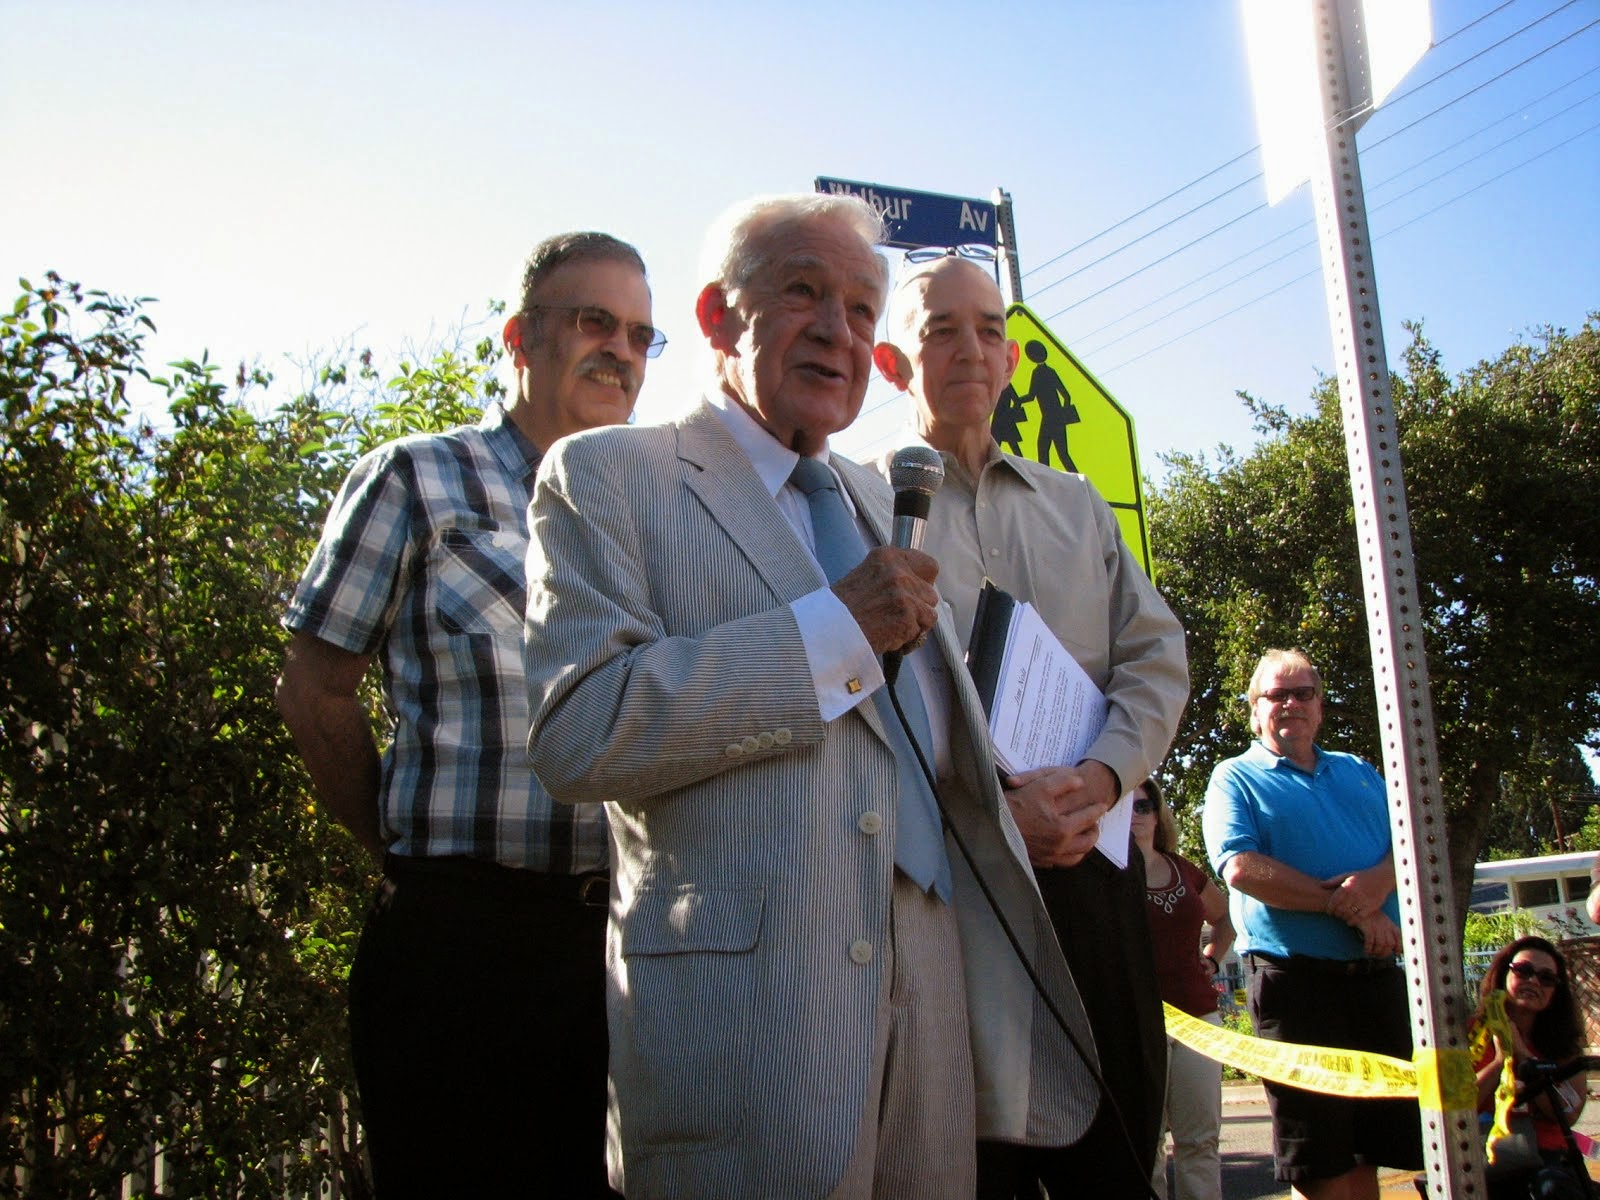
892, 597
1380, 937
1355, 896
1058, 810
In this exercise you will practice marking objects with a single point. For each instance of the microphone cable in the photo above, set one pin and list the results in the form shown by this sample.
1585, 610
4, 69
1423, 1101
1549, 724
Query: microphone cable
1089, 1065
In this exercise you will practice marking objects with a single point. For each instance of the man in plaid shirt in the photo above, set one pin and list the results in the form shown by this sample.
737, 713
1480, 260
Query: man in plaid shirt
477, 997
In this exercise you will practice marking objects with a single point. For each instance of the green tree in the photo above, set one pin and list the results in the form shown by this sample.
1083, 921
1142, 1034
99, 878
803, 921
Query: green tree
1501, 466
176, 919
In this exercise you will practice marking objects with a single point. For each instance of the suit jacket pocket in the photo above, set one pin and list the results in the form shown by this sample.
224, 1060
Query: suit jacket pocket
682, 1048
479, 580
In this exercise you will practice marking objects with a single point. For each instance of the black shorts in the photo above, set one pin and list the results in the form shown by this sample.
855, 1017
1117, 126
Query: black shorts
1315, 1136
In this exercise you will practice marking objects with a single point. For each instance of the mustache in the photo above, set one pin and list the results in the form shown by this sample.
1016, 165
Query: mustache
604, 360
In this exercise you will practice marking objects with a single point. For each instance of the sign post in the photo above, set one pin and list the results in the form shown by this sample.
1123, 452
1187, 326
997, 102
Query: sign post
1349, 61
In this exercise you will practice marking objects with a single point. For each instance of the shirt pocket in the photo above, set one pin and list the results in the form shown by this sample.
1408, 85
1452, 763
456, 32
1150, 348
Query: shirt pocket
690, 956
479, 581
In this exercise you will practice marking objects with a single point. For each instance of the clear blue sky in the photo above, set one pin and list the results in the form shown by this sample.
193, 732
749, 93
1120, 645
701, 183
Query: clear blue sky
288, 176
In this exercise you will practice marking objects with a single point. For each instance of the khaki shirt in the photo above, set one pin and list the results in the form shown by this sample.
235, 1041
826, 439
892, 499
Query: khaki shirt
1049, 538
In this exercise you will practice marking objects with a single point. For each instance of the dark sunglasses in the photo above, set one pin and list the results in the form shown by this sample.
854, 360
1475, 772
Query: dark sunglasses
1526, 970
1143, 806
1278, 695
594, 321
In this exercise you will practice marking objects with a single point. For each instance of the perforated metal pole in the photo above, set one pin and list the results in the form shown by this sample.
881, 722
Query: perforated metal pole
1006, 228
1394, 624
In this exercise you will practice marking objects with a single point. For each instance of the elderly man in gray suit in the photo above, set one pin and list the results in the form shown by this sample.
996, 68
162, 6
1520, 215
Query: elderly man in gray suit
809, 996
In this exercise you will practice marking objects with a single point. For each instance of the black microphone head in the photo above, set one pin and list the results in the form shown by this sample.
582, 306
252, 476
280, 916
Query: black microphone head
915, 474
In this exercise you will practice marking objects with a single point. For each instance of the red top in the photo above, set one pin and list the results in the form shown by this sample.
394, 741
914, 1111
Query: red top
1176, 914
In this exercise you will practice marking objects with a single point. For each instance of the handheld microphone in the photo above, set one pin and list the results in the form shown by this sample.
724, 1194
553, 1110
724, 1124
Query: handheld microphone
915, 474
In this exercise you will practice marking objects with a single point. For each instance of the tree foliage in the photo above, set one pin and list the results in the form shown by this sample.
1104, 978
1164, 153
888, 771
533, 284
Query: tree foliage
176, 920
1501, 467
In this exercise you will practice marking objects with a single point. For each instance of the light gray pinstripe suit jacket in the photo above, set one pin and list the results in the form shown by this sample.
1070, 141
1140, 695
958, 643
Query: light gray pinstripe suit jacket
668, 679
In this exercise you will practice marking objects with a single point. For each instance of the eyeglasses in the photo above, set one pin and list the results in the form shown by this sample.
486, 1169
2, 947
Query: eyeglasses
1526, 970
973, 250
1305, 695
596, 322
1143, 806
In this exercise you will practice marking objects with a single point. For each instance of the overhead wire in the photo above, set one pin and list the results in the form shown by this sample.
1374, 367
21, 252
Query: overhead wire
1394, 100
1199, 179
1219, 228
1147, 208
1303, 245
1479, 87
1376, 237
1471, 58
1237, 158
1109, 254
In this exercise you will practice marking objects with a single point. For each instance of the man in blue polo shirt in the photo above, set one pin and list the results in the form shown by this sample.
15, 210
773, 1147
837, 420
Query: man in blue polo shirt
1301, 836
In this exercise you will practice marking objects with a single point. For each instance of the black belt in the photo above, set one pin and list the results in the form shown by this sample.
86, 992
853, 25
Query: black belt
591, 887
1323, 966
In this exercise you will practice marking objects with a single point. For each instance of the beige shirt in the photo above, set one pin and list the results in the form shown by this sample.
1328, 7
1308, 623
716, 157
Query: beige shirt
1049, 538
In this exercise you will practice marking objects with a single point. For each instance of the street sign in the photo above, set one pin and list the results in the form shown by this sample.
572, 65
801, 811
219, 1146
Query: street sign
922, 218
1056, 413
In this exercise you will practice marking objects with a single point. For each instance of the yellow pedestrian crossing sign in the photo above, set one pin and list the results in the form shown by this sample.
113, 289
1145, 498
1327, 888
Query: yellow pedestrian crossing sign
1056, 413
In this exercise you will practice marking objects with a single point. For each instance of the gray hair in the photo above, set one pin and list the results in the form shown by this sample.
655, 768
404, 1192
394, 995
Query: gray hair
734, 250
556, 252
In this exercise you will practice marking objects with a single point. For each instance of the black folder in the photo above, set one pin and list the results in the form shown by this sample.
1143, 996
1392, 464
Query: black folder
986, 646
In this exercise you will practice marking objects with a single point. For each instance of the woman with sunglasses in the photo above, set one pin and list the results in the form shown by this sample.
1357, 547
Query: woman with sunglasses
1545, 1024
1182, 899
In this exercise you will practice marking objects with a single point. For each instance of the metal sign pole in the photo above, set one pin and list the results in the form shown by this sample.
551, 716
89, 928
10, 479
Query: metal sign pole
1394, 623
1006, 227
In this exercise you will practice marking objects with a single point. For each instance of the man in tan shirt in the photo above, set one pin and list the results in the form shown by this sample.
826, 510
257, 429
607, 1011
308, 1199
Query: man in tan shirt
1048, 537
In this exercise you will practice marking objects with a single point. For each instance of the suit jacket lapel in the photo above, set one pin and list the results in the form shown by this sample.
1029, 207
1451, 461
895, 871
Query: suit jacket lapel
720, 477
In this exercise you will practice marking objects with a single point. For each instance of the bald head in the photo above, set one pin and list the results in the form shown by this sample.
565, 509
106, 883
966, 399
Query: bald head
948, 348
908, 305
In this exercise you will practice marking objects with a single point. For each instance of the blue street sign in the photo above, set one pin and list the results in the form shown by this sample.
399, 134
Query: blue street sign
923, 218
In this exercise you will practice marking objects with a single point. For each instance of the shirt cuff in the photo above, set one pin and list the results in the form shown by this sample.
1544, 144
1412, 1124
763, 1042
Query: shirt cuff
844, 670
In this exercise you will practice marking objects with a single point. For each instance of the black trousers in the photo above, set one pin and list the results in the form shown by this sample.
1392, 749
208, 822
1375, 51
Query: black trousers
1098, 913
478, 1028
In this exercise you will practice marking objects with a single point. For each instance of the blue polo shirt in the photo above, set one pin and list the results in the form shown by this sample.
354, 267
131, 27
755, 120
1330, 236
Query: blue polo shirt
1324, 822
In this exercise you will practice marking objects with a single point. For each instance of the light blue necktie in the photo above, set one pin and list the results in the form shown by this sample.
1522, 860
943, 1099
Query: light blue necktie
919, 838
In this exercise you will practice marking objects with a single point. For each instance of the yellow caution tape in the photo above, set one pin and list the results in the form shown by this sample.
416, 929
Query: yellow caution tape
1497, 1024
1441, 1078
1445, 1079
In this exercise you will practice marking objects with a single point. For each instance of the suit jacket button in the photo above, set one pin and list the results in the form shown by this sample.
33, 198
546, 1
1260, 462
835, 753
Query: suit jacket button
870, 823
749, 745
734, 750
861, 952
765, 740
781, 736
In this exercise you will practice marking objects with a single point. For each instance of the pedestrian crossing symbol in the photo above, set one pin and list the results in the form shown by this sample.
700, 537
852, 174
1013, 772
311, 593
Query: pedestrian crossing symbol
1055, 412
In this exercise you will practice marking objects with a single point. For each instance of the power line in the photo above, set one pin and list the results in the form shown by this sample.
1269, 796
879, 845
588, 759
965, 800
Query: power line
1227, 224
1306, 244
1240, 157
1471, 58
1312, 242
1128, 245
1155, 204
1493, 178
1485, 83
1485, 128
1266, 295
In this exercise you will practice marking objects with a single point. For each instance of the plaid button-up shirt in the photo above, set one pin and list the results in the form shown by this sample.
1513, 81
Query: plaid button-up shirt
421, 564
